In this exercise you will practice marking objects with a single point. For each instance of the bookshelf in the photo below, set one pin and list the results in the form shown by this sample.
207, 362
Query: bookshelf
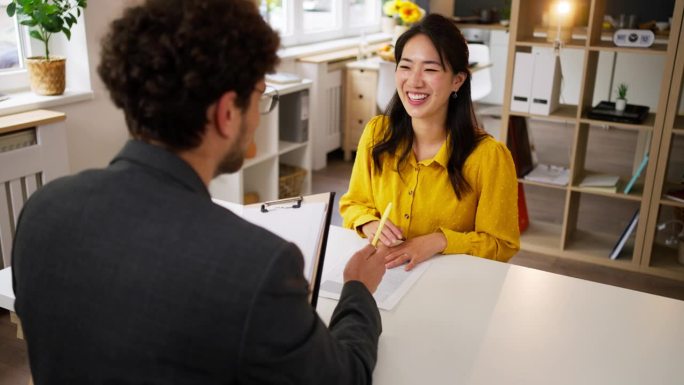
260, 174
584, 224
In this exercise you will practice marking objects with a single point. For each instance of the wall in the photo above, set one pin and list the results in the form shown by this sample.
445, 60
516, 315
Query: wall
95, 128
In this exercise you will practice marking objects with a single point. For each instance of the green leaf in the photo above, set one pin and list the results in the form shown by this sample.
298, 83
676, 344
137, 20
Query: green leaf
11, 9
29, 22
78, 11
36, 35
67, 33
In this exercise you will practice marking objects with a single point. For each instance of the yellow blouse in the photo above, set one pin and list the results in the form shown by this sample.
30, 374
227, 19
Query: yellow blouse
483, 223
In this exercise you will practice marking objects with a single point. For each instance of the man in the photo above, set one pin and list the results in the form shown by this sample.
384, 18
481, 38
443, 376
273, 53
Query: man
132, 275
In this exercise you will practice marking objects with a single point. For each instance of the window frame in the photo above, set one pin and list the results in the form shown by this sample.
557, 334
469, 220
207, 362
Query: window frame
13, 79
295, 21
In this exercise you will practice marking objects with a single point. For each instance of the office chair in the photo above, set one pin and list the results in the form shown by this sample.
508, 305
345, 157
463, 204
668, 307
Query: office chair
386, 85
481, 83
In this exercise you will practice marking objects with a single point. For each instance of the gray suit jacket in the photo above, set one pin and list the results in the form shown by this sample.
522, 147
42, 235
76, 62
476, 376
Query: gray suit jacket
132, 275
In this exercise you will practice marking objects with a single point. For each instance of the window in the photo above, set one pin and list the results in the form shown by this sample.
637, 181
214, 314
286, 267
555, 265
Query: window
10, 44
13, 49
308, 21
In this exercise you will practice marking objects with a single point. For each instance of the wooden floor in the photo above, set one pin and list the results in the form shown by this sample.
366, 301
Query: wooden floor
13, 354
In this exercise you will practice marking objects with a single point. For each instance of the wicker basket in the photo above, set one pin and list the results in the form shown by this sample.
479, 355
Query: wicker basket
47, 77
290, 180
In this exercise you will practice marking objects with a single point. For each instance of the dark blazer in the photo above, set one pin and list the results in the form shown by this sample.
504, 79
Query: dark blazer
132, 275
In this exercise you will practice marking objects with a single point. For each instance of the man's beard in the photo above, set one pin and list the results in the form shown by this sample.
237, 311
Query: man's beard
235, 157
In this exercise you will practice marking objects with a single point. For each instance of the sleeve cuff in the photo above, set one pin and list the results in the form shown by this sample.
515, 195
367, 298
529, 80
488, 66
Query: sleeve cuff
362, 220
457, 243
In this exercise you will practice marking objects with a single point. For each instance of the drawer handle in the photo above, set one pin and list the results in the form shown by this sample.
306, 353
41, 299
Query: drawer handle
360, 121
360, 96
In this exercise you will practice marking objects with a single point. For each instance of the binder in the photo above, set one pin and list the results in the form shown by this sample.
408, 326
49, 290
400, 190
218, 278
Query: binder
615, 253
637, 174
545, 84
522, 82
304, 221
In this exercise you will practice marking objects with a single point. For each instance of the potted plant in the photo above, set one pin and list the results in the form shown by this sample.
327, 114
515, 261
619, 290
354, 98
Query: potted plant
621, 101
45, 18
405, 13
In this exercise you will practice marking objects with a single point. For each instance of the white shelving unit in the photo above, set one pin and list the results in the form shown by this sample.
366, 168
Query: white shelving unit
260, 174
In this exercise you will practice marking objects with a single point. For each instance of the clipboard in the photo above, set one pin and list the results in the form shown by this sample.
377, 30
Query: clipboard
304, 221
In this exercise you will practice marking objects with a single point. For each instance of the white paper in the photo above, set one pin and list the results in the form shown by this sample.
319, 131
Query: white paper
301, 226
394, 285
545, 173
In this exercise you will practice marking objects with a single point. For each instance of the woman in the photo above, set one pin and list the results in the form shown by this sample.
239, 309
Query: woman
453, 187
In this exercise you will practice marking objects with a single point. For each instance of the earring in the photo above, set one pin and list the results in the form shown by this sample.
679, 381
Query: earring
454, 95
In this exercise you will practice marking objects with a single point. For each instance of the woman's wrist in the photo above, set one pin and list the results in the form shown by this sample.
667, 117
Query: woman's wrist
440, 241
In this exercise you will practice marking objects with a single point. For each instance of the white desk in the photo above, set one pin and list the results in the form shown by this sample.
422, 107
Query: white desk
6, 291
473, 321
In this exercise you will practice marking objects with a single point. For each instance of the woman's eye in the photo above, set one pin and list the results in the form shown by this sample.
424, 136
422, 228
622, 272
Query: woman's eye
403, 67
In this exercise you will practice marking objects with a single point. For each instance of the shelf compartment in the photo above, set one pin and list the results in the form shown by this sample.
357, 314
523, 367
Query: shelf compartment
592, 246
540, 41
678, 127
609, 46
542, 185
545, 212
541, 237
647, 124
634, 195
594, 234
664, 259
260, 158
285, 147
565, 113
671, 202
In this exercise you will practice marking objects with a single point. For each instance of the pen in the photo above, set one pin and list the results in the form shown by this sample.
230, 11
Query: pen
385, 215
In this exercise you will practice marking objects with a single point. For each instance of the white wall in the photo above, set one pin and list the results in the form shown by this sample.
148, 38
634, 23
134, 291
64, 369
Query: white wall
96, 129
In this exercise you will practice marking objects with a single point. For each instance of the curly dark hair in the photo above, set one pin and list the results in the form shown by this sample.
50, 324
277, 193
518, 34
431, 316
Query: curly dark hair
166, 61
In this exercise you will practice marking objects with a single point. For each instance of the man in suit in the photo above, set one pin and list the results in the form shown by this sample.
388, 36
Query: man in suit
131, 274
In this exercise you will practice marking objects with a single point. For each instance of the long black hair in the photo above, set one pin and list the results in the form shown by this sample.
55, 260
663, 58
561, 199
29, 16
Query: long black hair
461, 123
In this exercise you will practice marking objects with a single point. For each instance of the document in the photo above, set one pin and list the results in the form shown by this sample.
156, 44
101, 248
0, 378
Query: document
394, 285
302, 221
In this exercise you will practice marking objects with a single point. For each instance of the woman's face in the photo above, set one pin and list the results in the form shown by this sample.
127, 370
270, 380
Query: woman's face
423, 84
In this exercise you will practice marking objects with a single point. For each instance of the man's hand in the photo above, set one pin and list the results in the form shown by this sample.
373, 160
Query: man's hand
367, 266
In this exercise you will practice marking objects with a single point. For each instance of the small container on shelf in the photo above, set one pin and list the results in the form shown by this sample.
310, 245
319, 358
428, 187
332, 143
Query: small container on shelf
290, 179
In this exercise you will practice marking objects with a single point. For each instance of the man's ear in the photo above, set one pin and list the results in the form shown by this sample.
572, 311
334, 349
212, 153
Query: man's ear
228, 115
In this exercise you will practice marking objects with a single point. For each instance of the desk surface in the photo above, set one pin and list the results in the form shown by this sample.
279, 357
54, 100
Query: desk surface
474, 321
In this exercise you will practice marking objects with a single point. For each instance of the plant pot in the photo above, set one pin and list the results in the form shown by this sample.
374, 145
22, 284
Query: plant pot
620, 104
388, 24
398, 31
47, 77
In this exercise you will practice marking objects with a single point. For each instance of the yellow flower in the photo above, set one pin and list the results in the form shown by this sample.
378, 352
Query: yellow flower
391, 8
410, 13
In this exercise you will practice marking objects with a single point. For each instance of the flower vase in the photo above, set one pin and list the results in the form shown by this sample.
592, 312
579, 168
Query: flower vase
398, 31
388, 25
620, 104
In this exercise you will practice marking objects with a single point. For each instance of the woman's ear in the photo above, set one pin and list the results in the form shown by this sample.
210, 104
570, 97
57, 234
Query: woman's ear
228, 115
459, 79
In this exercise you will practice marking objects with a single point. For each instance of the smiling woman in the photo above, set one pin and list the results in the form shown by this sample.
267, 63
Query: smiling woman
454, 187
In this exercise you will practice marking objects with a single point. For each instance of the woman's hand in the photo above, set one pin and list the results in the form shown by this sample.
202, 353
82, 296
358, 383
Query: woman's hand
390, 235
416, 250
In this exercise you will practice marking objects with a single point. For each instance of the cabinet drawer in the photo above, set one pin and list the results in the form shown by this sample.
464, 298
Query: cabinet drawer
361, 85
361, 109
